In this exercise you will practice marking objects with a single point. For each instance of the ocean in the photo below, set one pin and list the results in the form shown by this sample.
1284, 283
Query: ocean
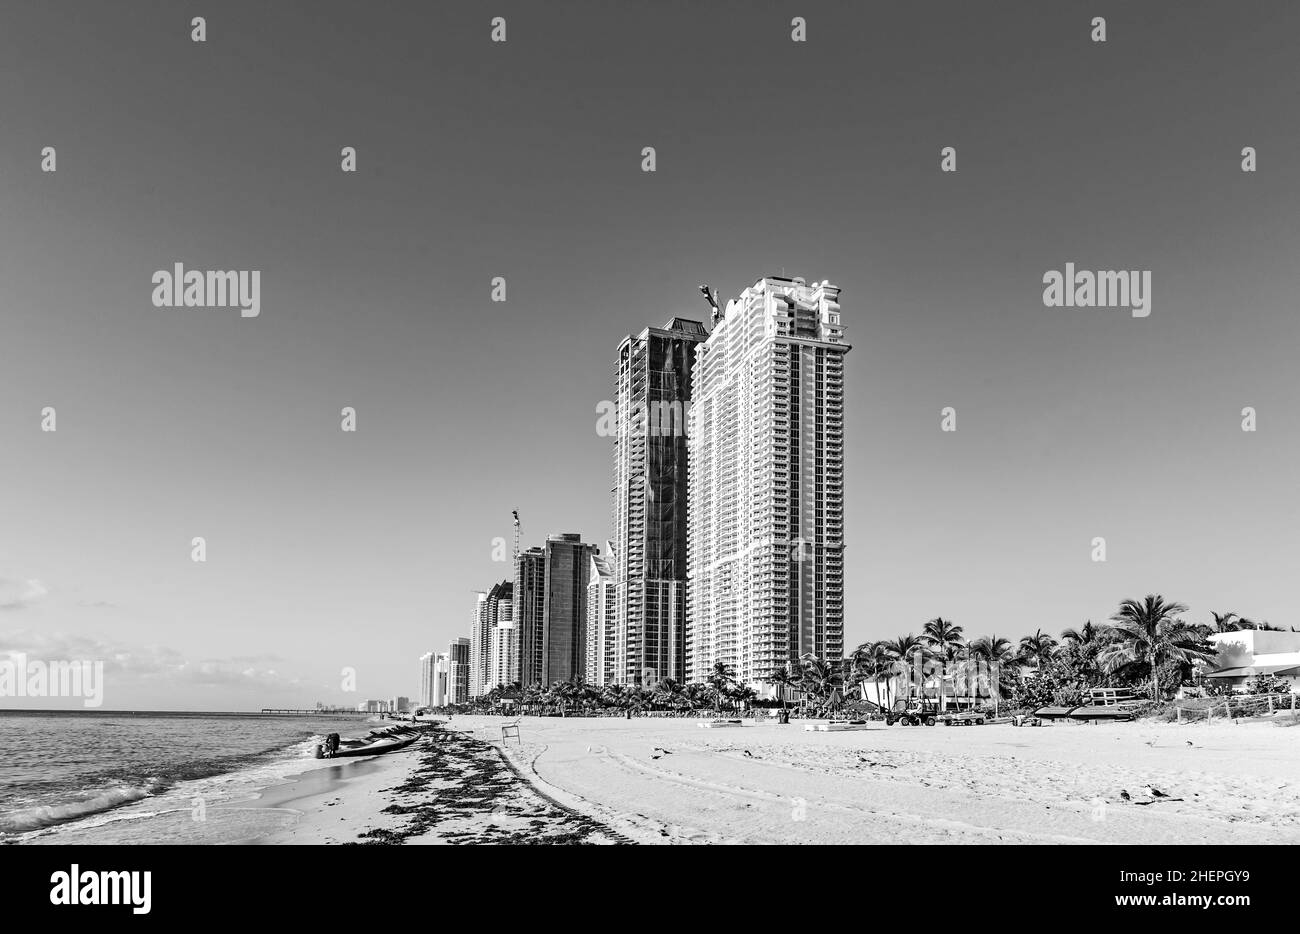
113, 777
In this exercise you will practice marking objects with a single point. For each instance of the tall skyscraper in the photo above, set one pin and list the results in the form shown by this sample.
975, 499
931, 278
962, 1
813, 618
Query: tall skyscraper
550, 609
458, 671
767, 483
530, 613
500, 662
428, 678
505, 646
441, 694
480, 644
601, 618
653, 394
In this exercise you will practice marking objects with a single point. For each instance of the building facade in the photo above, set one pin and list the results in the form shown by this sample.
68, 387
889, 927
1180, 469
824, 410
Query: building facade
1245, 654
500, 659
766, 501
428, 678
652, 388
601, 619
458, 671
480, 643
550, 608
530, 613
504, 659
440, 681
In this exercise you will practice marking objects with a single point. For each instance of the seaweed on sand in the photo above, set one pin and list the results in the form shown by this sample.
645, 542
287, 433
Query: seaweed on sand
464, 792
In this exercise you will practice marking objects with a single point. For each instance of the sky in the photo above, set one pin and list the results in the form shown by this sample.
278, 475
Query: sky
329, 550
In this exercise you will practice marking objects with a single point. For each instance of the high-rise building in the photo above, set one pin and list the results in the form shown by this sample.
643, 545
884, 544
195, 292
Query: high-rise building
428, 678
652, 387
441, 687
601, 618
480, 643
503, 649
766, 512
550, 597
458, 671
530, 612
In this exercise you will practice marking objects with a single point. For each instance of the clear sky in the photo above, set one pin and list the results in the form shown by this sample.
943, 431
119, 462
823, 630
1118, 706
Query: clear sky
523, 160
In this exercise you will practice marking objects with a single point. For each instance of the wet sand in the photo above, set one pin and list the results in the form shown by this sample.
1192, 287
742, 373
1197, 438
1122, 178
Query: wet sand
449, 788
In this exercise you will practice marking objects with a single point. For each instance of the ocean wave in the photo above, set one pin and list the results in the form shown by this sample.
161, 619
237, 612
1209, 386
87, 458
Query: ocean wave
50, 809
35, 817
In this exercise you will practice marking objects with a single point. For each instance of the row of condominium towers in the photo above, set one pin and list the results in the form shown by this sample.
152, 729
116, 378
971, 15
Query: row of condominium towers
728, 516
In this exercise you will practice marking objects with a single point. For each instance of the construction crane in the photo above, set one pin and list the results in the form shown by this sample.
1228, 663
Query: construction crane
712, 296
515, 513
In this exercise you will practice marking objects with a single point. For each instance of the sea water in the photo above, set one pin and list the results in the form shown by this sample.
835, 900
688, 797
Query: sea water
112, 777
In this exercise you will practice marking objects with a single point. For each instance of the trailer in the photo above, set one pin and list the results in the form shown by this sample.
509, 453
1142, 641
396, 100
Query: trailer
962, 718
928, 715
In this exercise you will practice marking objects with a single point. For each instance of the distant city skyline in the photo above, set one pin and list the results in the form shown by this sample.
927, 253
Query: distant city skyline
331, 551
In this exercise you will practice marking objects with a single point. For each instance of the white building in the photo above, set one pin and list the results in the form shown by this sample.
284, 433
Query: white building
504, 659
602, 619
441, 687
428, 678
497, 662
766, 502
1246, 653
480, 639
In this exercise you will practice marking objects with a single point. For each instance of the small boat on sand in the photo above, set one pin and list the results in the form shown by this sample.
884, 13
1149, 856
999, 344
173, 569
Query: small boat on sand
377, 743
838, 726
1092, 712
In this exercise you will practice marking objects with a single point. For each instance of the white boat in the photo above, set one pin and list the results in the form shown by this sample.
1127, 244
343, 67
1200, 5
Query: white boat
838, 726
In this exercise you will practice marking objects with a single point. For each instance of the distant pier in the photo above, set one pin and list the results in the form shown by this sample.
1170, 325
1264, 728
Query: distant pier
317, 712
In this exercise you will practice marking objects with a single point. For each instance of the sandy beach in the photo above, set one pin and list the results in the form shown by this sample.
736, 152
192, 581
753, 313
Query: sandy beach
669, 781
449, 789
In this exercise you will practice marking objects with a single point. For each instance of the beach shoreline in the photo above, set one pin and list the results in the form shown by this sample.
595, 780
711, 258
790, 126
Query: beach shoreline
669, 781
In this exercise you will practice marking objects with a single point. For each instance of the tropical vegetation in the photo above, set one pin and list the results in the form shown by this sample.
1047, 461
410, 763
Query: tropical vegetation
1146, 646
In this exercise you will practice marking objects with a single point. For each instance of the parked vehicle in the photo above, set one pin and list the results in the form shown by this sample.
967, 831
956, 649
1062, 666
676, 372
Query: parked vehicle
918, 713
962, 718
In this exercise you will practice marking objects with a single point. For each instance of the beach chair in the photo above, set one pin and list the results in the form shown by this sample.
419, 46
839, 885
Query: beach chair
511, 729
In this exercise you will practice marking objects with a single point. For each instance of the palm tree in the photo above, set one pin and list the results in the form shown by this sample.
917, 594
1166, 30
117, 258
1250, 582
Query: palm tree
1224, 622
999, 654
942, 634
695, 695
1148, 633
613, 695
821, 679
743, 694
1084, 644
635, 697
876, 660
531, 696
1087, 635
781, 678
1037, 650
668, 692
719, 677
905, 652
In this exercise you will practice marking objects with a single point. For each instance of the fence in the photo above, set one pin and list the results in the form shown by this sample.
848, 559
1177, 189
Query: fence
1239, 705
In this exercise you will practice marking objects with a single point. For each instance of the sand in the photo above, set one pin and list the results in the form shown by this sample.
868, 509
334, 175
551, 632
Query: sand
447, 789
337, 803
668, 781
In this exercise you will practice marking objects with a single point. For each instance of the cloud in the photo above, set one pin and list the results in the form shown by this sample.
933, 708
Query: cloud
157, 665
15, 595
